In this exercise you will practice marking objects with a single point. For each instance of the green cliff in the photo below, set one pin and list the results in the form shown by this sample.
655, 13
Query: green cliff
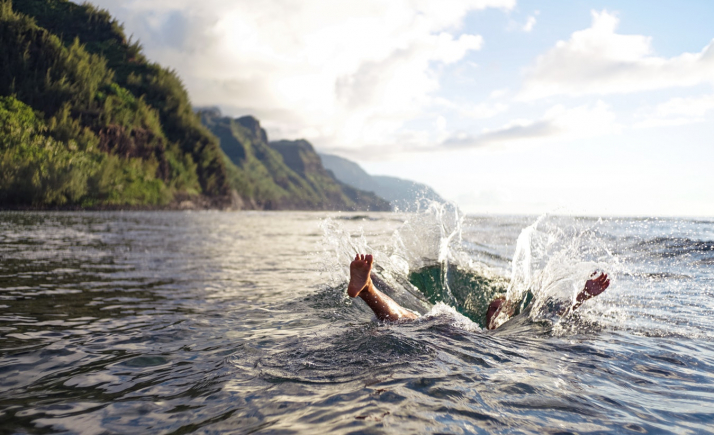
69, 76
282, 175
87, 121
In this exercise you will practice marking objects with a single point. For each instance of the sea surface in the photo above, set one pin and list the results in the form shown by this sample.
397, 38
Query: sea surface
221, 322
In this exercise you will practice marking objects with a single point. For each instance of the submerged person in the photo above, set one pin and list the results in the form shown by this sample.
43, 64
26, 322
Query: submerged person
499, 310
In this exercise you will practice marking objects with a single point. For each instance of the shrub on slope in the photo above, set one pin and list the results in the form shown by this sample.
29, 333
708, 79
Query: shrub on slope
95, 90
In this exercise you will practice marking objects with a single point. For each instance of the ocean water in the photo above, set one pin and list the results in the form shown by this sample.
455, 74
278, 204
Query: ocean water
216, 322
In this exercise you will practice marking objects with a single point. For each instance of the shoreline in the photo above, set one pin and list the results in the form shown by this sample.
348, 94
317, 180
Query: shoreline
181, 203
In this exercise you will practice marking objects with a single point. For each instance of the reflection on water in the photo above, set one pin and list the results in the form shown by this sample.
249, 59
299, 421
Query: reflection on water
239, 322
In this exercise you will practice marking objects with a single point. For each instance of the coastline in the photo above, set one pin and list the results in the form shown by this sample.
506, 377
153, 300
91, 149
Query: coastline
181, 202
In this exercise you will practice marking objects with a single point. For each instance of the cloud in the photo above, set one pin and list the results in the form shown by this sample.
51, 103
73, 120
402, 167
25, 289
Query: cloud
483, 110
348, 73
471, 111
676, 111
516, 131
558, 122
498, 93
514, 25
693, 107
585, 121
530, 23
599, 61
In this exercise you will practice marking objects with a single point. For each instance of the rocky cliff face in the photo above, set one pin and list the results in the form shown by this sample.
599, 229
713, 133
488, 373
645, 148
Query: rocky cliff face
301, 157
285, 174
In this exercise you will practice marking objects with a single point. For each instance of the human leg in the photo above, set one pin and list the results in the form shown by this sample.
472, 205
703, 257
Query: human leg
361, 285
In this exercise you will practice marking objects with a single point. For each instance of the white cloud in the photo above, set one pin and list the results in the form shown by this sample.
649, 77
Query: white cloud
514, 25
599, 61
498, 93
693, 107
346, 74
530, 23
677, 111
472, 111
513, 131
584, 121
558, 122
483, 110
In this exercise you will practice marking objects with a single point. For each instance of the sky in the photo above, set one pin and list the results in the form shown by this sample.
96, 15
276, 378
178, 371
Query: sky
502, 106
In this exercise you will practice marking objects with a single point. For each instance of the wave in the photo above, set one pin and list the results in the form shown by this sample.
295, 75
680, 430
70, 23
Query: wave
669, 247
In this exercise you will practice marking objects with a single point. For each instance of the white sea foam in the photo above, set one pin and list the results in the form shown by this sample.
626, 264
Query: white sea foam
456, 319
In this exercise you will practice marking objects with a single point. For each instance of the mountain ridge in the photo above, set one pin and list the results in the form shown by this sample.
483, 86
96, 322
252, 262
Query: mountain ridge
404, 195
87, 121
287, 174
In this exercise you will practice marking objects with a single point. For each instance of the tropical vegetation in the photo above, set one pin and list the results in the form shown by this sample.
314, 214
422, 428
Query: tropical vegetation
86, 120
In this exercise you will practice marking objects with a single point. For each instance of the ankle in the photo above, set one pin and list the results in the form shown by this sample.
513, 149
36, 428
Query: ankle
367, 291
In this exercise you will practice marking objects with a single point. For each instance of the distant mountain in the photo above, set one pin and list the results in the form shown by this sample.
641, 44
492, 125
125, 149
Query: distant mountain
284, 174
301, 157
403, 194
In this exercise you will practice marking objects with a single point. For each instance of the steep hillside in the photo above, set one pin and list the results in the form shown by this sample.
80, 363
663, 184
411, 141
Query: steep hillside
92, 93
301, 157
282, 175
349, 172
404, 195
87, 121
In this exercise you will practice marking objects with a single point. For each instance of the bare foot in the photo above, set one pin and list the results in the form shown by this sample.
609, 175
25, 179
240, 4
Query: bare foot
360, 269
500, 310
597, 284
360, 285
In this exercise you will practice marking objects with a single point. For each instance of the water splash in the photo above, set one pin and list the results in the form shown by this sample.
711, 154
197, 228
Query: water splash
555, 256
425, 249
427, 238
425, 257
438, 255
